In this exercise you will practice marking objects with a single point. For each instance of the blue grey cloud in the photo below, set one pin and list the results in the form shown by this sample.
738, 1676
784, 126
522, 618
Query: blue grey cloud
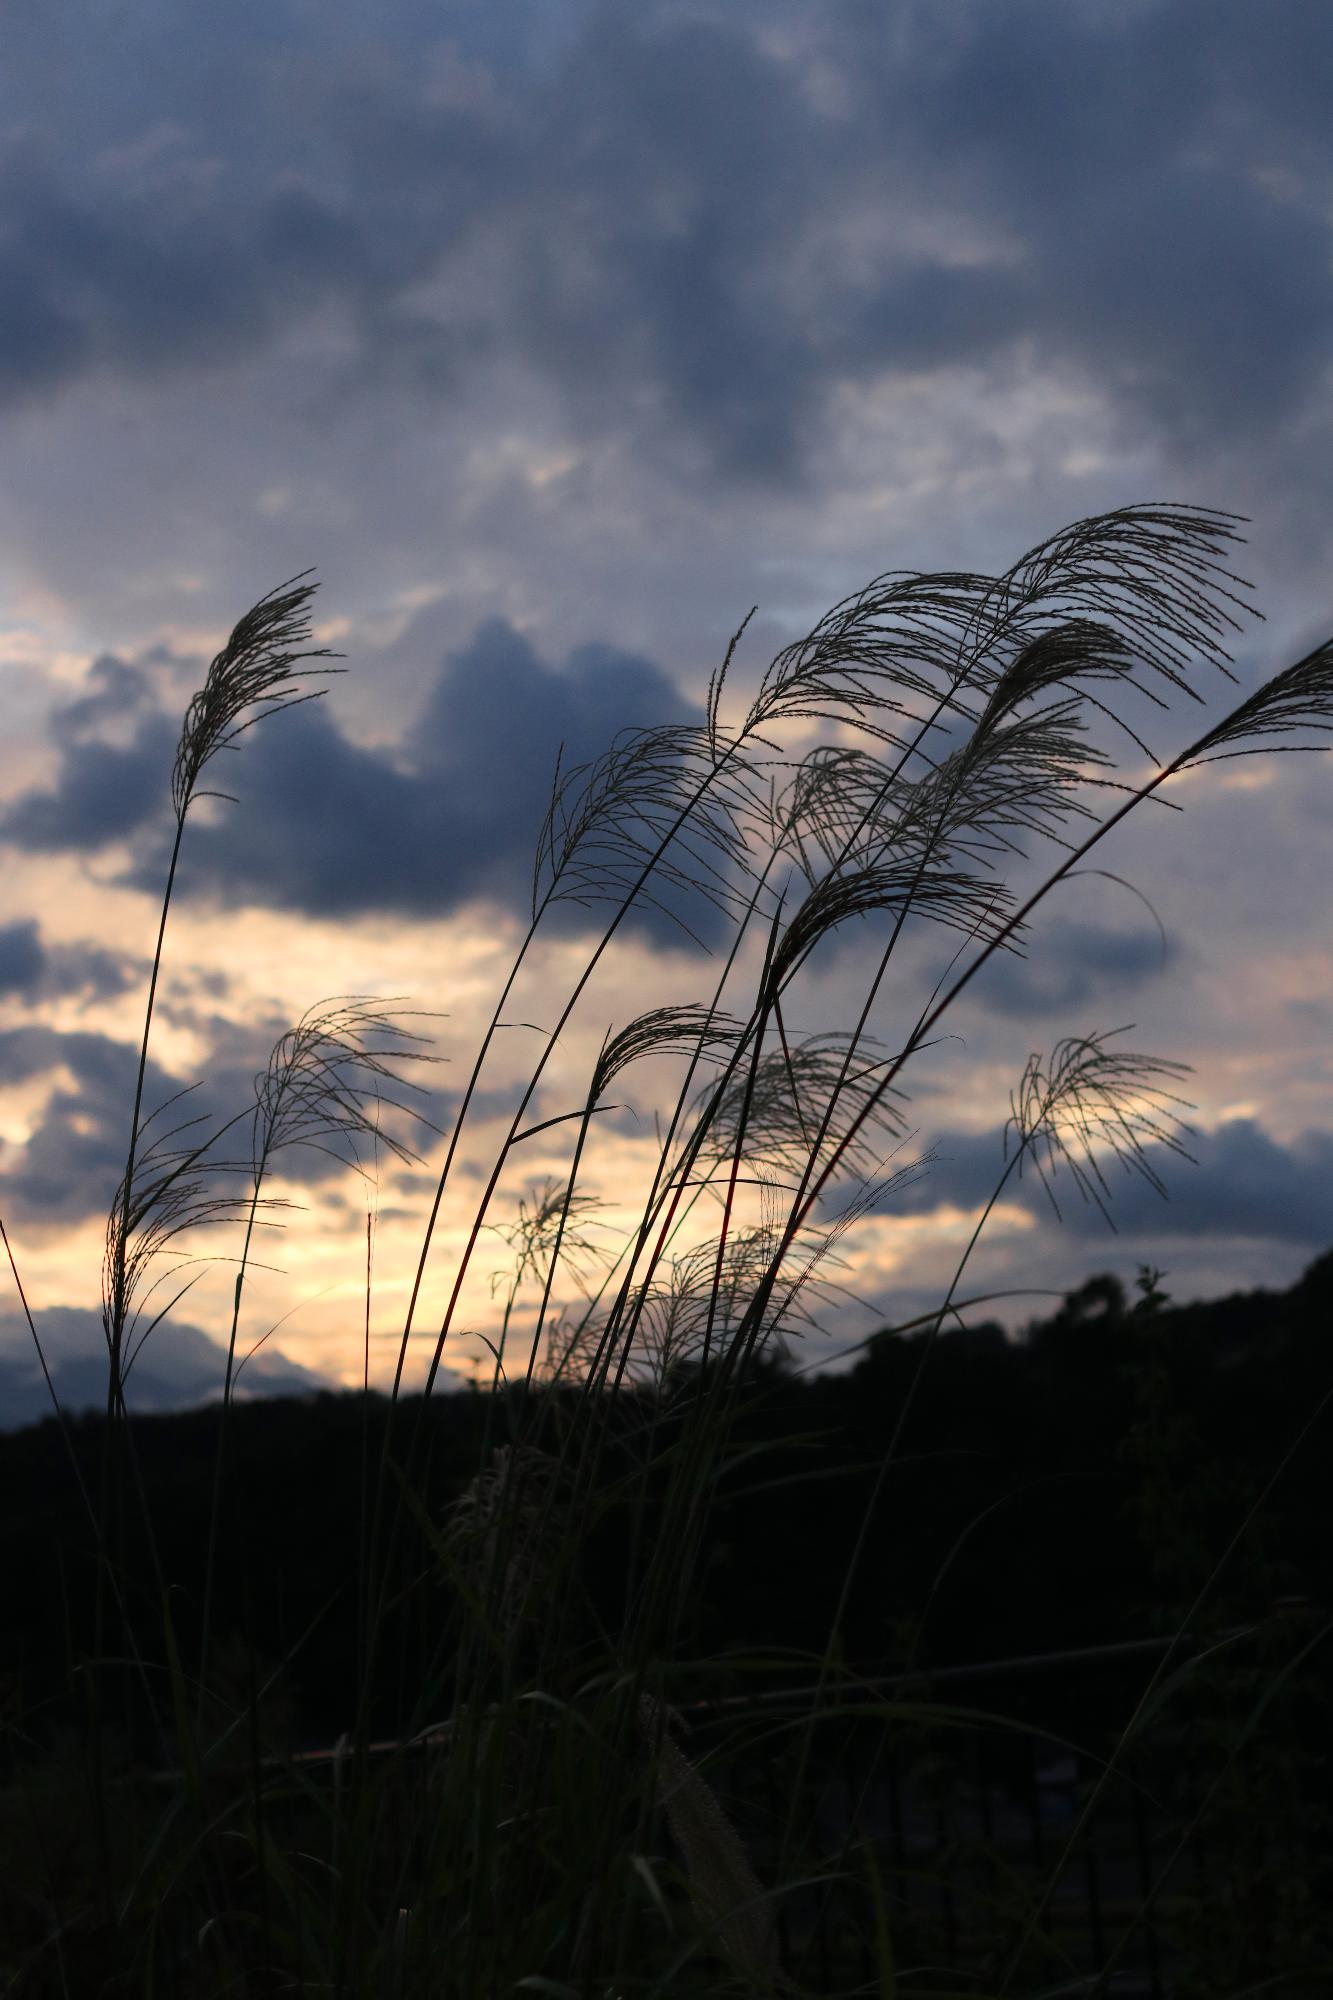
22, 958
72, 1160
277, 283
1241, 1182
1245, 1183
1071, 963
90, 971
328, 826
178, 1366
106, 788
685, 219
31, 968
68, 1168
105, 793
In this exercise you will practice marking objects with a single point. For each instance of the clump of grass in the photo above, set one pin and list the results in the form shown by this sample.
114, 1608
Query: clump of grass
883, 777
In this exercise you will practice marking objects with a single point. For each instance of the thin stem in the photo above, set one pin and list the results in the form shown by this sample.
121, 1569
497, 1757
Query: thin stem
116, 1330
215, 1506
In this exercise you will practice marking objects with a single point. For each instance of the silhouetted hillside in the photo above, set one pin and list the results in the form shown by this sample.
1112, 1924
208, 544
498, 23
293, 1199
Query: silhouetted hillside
1073, 1486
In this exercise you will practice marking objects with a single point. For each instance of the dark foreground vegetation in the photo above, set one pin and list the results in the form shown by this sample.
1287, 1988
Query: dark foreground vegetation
1060, 1493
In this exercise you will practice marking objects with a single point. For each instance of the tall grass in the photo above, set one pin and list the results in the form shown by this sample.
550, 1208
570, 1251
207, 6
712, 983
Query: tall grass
889, 776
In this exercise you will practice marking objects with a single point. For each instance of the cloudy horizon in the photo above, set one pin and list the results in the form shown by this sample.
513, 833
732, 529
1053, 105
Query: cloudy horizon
553, 338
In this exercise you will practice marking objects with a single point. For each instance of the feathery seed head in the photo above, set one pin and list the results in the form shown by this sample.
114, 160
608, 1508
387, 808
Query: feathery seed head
256, 674
1087, 1095
782, 1101
512, 1502
551, 1216
1299, 698
323, 1083
684, 1030
923, 888
724, 1889
654, 813
1142, 582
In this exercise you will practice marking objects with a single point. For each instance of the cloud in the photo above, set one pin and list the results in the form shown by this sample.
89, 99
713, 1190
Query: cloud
698, 227
962, 1170
90, 971
1071, 963
1241, 1183
104, 794
179, 1366
618, 321
22, 957
106, 787
621, 320
69, 1166
116, 690
145, 272
1246, 1183
330, 827
31, 968
74, 1156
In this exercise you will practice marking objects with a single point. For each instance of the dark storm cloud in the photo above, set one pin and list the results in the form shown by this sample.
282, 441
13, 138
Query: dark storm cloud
178, 1366
1240, 1183
105, 788
104, 793
22, 958
1246, 1183
1070, 963
697, 225
960, 1170
116, 689
331, 827
89, 970
321, 284
70, 1165
1167, 188
31, 968
150, 280
1142, 207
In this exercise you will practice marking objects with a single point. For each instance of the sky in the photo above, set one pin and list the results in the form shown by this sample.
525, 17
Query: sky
553, 337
